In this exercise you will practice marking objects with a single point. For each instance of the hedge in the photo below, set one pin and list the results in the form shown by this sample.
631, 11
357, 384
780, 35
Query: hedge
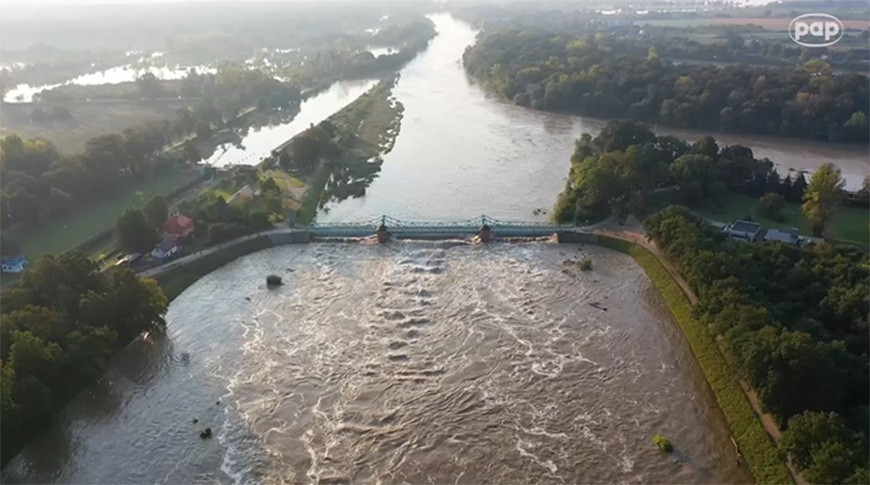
757, 448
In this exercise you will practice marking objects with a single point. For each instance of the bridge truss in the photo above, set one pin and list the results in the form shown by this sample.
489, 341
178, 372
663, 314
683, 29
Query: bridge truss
401, 227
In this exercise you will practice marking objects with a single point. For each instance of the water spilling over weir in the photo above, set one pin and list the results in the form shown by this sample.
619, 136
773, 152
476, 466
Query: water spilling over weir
408, 361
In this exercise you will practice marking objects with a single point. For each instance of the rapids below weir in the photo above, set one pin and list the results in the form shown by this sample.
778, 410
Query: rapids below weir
417, 362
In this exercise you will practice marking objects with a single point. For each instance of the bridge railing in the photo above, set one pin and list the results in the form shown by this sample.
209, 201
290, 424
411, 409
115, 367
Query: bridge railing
398, 226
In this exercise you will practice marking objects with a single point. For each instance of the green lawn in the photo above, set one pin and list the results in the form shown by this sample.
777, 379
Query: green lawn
57, 236
851, 224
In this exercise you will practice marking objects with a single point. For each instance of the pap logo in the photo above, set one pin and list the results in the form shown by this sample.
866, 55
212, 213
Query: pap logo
816, 30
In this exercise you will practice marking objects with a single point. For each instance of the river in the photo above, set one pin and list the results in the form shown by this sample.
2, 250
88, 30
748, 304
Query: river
461, 153
410, 362
23, 93
417, 362
258, 143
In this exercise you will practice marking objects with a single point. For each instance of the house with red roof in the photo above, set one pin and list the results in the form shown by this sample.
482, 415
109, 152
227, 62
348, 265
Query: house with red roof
179, 227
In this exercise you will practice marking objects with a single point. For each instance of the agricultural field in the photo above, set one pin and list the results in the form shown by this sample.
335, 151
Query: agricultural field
90, 119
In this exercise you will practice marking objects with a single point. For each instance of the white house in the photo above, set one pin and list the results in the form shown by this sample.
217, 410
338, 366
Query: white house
165, 249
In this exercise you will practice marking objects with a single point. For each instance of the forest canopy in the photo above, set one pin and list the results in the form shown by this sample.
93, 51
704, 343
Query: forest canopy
58, 328
794, 323
584, 75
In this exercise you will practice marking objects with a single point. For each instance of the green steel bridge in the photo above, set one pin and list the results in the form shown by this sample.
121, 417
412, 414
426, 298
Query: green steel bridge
438, 230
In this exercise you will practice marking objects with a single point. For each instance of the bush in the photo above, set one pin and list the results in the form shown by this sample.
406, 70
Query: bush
274, 280
224, 231
770, 206
663, 443
585, 264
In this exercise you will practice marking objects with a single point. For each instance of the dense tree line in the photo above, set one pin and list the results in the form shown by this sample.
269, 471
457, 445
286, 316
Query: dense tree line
618, 171
794, 323
735, 44
583, 75
39, 183
58, 327
709, 42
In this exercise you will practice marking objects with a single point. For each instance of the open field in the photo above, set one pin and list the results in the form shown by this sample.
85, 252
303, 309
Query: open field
90, 119
57, 236
851, 224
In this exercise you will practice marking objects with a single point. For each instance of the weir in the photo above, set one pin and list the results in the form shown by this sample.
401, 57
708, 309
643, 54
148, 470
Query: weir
384, 228
484, 227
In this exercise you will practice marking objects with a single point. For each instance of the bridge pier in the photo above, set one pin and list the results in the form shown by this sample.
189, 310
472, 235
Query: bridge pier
382, 234
484, 234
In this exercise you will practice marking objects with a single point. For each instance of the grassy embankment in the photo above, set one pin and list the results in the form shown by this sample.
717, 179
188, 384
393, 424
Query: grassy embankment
850, 224
367, 129
757, 448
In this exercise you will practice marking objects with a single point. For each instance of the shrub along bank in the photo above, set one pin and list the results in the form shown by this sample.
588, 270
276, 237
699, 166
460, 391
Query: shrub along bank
758, 450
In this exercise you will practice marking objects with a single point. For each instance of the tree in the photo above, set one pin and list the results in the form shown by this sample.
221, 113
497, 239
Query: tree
269, 185
707, 146
822, 448
693, 174
27, 208
149, 86
4, 211
89, 349
823, 197
30, 354
798, 187
41, 321
224, 231
770, 206
620, 134
134, 232
191, 153
105, 157
156, 211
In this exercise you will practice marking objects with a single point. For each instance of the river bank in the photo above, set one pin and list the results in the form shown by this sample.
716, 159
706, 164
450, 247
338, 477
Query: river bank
461, 149
756, 445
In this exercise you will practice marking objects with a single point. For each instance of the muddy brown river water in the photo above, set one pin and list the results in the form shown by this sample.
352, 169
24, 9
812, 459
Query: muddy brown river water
412, 362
